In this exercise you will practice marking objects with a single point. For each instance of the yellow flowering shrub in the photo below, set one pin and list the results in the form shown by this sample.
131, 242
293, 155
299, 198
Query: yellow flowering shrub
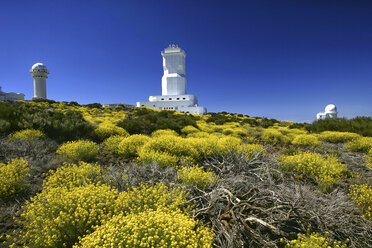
79, 150
315, 240
144, 197
338, 137
227, 144
58, 218
27, 134
249, 150
326, 171
107, 129
73, 175
369, 158
189, 129
168, 150
161, 132
199, 135
196, 176
113, 142
362, 196
274, 136
129, 147
160, 228
307, 140
362, 144
12, 175
163, 159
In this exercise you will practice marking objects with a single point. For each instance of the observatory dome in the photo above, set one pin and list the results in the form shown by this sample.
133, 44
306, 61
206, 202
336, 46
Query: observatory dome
330, 108
39, 67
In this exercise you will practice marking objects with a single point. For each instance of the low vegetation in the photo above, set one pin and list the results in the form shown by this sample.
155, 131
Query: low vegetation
76, 175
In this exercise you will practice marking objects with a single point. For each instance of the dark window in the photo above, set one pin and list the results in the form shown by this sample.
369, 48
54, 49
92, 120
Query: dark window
170, 98
178, 98
184, 98
162, 99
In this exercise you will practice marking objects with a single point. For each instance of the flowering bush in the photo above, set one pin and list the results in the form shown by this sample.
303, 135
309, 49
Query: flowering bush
196, 176
113, 142
307, 140
58, 218
189, 129
362, 196
161, 132
144, 197
250, 150
163, 159
27, 134
362, 144
168, 150
338, 137
326, 171
130, 146
160, 228
73, 175
107, 129
315, 240
274, 136
12, 175
79, 150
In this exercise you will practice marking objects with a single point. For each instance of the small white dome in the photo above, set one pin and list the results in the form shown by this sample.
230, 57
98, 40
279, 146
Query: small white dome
39, 67
331, 108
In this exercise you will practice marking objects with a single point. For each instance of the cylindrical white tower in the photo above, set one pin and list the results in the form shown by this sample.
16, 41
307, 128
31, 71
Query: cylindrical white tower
331, 111
40, 74
174, 79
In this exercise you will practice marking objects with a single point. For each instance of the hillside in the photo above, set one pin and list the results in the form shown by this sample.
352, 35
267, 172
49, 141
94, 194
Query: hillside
76, 175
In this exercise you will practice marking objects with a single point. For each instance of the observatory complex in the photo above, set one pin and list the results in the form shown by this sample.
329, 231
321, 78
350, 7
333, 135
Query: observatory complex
40, 74
330, 111
173, 85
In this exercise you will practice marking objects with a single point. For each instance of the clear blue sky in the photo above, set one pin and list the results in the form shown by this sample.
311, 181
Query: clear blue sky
283, 59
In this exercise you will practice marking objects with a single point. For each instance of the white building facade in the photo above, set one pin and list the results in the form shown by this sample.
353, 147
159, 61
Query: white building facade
40, 74
330, 111
11, 96
174, 96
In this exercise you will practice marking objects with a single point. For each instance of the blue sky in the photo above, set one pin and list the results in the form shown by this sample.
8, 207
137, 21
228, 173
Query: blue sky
282, 59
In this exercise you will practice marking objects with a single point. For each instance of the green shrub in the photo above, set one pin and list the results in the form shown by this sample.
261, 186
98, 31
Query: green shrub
160, 228
12, 175
326, 171
107, 129
146, 121
73, 175
144, 197
315, 240
360, 125
112, 143
161, 132
58, 217
307, 140
58, 125
196, 176
363, 144
338, 137
129, 147
362, 196
27, 134
79, 150
274, 136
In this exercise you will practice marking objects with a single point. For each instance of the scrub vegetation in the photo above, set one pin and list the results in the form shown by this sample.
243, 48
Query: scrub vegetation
76, 175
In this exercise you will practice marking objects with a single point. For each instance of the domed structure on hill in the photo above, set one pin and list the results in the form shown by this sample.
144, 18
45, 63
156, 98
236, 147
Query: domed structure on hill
330, 111
40, 73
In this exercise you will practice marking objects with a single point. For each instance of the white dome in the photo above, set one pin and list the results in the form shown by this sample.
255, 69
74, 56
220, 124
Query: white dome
39, 67
331, 108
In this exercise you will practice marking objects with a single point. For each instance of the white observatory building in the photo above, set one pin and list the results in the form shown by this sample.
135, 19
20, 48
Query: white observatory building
173, 85
40, 74
11, 96
330, 111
